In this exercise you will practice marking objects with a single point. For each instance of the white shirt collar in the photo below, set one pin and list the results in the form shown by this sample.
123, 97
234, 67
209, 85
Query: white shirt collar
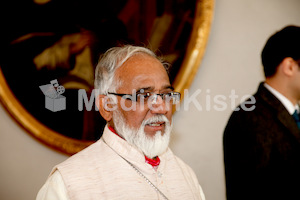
285, 101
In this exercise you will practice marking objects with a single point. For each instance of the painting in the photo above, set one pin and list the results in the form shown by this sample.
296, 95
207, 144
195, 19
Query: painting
50, 49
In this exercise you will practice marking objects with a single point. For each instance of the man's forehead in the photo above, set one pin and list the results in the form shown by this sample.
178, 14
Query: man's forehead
141, 60
139, 66
146, 82
149, 74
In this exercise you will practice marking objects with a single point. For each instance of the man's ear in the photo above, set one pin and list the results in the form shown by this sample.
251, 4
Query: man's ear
288, 66
102, 102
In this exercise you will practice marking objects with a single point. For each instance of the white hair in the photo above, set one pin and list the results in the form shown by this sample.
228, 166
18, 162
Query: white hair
111, 60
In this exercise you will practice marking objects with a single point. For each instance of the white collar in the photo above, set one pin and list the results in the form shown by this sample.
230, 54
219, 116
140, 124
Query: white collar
285, 101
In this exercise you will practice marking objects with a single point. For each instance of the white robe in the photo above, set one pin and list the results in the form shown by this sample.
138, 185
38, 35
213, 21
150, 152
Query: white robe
98, 172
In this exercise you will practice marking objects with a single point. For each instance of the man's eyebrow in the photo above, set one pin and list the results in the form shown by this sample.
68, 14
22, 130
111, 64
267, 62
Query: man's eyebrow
169, 87
152, 88
144, 89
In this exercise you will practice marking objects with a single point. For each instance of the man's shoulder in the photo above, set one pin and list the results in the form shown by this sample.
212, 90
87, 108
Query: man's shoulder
262, 118
257, 104
257, 111
85, 157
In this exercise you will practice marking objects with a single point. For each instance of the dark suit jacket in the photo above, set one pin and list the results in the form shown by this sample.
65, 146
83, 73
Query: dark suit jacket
262, 151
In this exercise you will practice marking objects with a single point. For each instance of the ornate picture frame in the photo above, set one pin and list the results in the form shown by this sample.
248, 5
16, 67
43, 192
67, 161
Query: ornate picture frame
195, 48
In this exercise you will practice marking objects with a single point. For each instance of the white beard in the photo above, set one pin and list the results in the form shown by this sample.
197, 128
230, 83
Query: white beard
150, 146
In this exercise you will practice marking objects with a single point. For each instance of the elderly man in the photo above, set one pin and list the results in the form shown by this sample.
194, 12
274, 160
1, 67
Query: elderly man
262, 146
132, 159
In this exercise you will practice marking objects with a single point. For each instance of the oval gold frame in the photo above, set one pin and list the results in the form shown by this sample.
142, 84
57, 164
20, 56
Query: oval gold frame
195, 51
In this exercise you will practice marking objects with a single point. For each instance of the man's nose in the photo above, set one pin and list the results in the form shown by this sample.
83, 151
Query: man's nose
158, 105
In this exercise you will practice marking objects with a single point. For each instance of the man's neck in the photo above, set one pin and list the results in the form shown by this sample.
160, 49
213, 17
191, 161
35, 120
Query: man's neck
290, 107
114, 131
280, 87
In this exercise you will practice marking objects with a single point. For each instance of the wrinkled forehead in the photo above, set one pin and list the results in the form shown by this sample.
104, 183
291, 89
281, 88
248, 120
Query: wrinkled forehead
142, 70
140, 65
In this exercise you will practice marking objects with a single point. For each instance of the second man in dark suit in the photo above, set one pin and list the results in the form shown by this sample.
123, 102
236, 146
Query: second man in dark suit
262, 146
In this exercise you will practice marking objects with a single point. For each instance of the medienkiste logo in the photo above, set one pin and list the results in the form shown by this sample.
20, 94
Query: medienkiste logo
54, 100
199, 100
